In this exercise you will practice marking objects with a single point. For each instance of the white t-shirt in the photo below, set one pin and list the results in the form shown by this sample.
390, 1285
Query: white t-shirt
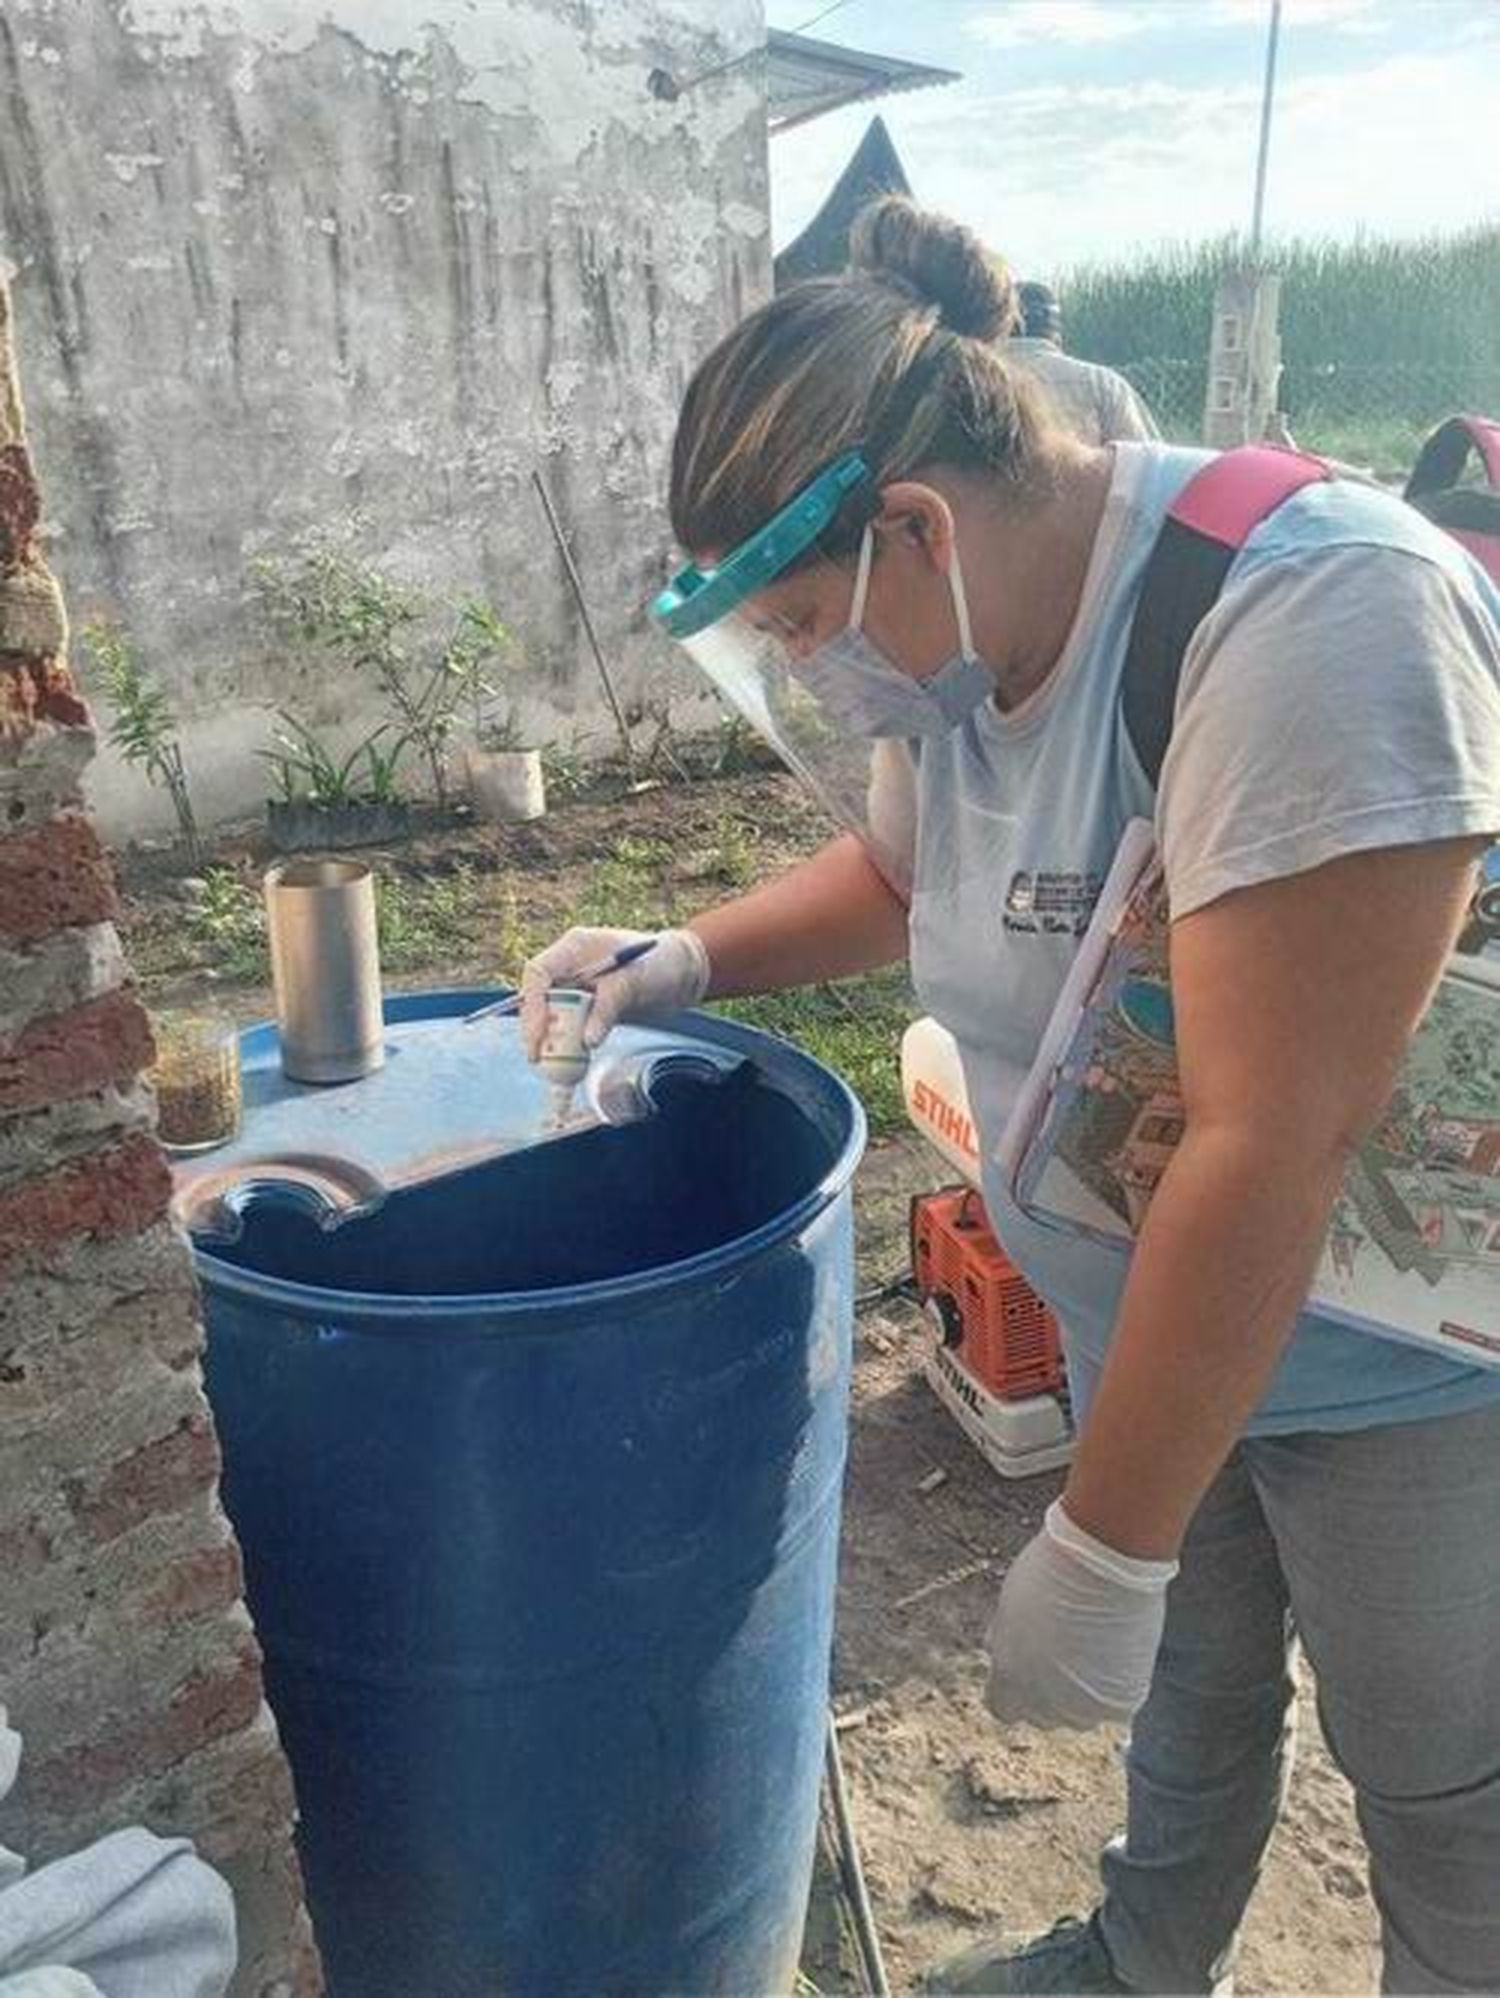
1342, 695
1096, 403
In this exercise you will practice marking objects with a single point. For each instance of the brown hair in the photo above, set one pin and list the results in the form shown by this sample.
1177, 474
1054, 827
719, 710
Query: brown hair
896, 358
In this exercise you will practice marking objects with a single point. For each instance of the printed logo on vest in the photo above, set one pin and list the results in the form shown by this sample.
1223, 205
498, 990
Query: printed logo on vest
1053, 903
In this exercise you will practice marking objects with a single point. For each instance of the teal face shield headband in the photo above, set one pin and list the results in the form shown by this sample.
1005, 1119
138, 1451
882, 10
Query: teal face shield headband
697, 598
755, 671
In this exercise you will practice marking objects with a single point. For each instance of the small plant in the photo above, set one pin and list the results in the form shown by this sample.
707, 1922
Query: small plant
327, 598
734, 861
383, 765
306, 768
424, 923
476, 647
567, 770
738, 749
514, 940
143, 726
502, 734
228, 924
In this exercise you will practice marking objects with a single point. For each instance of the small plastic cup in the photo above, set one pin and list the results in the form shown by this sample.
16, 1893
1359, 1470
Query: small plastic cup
197, 1080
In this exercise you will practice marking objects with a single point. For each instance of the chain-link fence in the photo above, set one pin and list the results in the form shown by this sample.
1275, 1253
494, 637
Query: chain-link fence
1370, 413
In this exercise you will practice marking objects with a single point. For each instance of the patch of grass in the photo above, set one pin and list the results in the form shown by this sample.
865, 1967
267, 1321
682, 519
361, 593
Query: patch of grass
566, 771
855, 1027
633, 889
735, 863
226, 927
513, 940
1386, 445
424, 923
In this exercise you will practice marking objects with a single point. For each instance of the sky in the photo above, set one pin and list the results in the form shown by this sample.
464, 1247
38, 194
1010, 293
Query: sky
1084, 130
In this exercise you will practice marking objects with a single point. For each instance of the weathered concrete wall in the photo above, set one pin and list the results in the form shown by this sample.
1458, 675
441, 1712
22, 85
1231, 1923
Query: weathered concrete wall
126, 1655
282, 266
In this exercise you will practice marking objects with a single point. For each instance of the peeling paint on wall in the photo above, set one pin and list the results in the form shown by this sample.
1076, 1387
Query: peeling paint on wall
281, 266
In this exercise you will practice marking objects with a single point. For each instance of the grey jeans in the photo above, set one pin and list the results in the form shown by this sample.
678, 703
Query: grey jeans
1380, 1552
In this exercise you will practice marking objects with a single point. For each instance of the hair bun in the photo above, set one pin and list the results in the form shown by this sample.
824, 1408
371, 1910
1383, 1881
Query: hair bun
939, 262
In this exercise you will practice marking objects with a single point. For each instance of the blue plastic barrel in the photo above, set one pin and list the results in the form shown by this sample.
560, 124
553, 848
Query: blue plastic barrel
537, 1476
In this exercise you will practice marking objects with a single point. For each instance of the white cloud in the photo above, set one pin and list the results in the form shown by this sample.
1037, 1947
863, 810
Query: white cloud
1076, 23
1055, 174
1095, 23
1353, 16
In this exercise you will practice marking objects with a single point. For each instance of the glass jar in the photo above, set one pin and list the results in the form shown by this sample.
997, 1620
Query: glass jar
197, 1079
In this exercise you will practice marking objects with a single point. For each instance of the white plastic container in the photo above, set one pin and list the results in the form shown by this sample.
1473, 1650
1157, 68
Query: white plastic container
506, 786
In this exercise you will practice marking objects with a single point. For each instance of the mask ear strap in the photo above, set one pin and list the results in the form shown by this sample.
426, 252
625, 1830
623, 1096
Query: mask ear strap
861, 579
960, 606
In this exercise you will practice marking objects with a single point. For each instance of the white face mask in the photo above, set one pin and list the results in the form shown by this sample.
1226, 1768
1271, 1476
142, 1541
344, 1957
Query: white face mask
866, 693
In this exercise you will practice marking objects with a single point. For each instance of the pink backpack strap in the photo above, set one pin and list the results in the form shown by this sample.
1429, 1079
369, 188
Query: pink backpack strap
1234, 492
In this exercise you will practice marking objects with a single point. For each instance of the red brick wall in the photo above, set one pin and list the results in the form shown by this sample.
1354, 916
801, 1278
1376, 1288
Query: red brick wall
127, 1657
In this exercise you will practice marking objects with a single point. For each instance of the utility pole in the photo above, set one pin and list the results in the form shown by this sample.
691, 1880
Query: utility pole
1268, 95
1244, 350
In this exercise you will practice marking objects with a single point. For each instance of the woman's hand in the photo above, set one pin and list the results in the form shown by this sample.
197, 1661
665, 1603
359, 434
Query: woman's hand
1074, 1636
670, 977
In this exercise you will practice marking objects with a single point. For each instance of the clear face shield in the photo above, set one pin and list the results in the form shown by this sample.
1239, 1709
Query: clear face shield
758, 665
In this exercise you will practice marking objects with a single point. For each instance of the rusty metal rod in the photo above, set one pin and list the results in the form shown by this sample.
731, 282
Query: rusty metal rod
588, 623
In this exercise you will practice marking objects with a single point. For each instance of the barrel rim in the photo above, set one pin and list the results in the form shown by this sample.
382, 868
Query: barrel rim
390, 1307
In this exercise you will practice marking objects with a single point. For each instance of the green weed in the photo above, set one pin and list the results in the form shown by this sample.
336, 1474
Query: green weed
633, 889
736, 863
227, 927
855, 1027
429, 923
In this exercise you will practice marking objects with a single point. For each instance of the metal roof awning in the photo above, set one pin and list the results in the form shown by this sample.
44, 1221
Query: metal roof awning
805, 78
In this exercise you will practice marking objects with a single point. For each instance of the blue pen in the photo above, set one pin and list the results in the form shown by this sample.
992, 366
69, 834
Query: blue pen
590, 975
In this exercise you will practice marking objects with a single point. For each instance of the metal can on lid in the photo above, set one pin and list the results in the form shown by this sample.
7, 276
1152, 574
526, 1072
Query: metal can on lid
325, 962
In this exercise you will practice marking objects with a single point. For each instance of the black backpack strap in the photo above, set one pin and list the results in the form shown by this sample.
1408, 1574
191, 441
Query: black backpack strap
1441, 460
1207, 525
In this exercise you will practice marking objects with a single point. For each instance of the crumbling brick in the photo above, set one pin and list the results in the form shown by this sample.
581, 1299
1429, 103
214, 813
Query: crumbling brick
125, 1646
37, 690
75, 1053
198, 1712
113, 1191
56, 973
210, 1578
25, 1549
71, 1127
54, 877
20, 508
32, 619
163, 1473
41, 763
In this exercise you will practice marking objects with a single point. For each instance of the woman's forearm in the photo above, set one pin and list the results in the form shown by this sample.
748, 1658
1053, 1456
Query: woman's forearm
830, 917
1219, 1274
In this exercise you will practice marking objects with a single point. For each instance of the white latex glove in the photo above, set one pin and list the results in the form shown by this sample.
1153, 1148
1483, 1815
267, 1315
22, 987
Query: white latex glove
667, 979
1074, 1636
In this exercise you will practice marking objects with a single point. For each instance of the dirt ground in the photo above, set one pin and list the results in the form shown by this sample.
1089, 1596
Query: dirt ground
962, 1827
965, 1828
